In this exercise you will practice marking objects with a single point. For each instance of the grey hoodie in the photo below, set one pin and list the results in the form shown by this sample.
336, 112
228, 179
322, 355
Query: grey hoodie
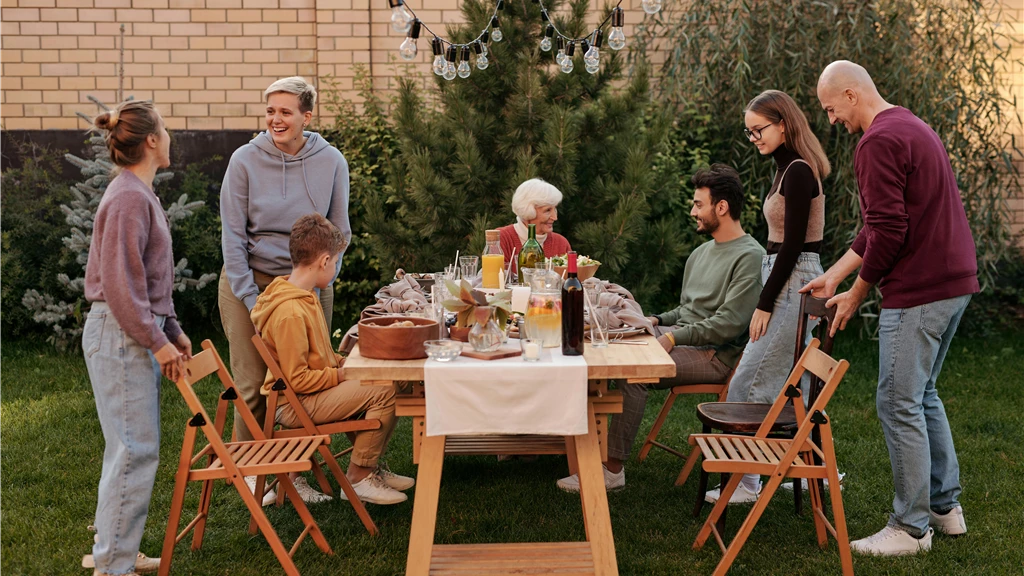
264, 192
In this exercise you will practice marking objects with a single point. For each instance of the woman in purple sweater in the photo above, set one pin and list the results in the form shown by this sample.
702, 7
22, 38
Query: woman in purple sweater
131, 334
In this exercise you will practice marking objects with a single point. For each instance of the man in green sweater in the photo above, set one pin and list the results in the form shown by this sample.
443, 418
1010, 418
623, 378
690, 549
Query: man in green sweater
706, 333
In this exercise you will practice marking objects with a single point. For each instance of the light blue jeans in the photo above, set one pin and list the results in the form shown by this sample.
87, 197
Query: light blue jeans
912, 345
126, 382
766, 363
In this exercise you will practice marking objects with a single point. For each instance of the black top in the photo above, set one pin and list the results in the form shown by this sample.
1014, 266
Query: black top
798, 188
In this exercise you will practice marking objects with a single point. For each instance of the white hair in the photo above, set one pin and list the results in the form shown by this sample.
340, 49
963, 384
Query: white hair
295, 85
531, 194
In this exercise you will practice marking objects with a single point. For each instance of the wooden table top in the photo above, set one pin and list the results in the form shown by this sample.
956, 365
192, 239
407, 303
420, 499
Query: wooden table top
617, 361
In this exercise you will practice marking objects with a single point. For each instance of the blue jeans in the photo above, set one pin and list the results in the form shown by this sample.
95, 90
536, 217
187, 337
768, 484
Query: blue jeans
912, 345
126, 382
766, 363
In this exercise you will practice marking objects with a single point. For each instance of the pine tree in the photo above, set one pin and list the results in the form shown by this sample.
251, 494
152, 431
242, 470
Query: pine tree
66, 318
466, 144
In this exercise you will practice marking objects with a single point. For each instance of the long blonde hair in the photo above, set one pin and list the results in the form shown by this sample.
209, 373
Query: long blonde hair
777, 106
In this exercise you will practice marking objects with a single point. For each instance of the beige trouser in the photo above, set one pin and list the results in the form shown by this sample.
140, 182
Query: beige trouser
247, 368
344, 401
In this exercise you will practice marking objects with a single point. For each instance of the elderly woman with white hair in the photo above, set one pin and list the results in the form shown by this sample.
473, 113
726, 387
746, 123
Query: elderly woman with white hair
535, 202
283, 173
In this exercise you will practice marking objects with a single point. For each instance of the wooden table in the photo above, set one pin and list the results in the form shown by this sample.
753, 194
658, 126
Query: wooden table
632, 364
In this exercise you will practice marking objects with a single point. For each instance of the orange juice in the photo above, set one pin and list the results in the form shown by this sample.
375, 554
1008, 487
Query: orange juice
492, 265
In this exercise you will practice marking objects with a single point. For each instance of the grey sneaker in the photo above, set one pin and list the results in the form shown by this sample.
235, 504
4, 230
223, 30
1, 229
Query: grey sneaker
742, 495
309, 494
951, 523
612, 481
891, 541
396, 481
143, 564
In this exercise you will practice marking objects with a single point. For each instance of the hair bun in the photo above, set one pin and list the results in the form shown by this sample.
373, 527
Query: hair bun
107, 120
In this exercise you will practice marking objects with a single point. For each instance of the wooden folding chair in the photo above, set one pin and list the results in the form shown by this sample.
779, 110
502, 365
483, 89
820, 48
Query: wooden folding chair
309, 428
721, 389
232, 461
780, 458
746, 417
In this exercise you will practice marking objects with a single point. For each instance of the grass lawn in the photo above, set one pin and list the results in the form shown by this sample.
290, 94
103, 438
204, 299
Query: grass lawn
52, 453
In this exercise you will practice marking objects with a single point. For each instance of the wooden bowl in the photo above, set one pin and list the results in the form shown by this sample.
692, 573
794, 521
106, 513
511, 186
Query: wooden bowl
379, 340
460, 333
582, 272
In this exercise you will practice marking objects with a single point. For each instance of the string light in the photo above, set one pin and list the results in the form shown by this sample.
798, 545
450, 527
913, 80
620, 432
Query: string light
408, 48
567, 60
560, 55
617, 39
481, 56
401, 17
439, 64
592, 57
496, 34
545, 44
464, 68
449, 69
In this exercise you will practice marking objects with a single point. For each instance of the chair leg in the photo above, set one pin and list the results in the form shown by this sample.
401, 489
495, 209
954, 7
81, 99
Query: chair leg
691, 461
798, 496
204, 511
658, 423
716, 511
748, 524
702, 491
816, 509
723, 480
256, 510
321, 478
177, 500
261, 482
346, 487
307, 519
836, 494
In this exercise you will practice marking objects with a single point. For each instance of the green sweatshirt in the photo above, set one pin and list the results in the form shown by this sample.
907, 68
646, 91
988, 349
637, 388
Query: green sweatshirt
721, 285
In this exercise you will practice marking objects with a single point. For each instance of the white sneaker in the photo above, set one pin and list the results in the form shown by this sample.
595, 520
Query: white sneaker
396, 481
268, 498
98, 573
788, 483
741, 495
375, 490
143, 564
309, 494
892, 541
951, 523
612, 481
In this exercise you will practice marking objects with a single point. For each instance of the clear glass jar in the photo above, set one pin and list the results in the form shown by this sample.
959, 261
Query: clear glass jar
485, 337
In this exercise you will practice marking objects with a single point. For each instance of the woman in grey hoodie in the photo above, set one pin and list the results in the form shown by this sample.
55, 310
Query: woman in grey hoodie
280, 175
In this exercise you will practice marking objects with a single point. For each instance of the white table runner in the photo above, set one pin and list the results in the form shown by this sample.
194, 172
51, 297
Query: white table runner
508, 396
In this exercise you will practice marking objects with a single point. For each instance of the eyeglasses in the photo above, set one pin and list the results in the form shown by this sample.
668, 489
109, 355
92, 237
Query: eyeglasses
755, 133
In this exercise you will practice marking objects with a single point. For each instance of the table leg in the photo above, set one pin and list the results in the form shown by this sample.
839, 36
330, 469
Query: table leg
595, 501
424, 509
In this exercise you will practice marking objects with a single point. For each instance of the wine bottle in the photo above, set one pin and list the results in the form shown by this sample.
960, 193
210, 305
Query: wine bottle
572, 311
532, 252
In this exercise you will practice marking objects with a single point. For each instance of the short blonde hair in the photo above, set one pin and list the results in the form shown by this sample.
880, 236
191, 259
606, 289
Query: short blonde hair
295, 85
532, 193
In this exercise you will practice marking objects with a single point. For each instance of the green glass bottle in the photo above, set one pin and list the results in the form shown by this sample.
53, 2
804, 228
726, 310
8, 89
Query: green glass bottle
532, 252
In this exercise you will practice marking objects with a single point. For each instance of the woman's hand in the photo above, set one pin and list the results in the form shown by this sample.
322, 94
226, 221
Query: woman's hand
759, 324
184, 346
171, 361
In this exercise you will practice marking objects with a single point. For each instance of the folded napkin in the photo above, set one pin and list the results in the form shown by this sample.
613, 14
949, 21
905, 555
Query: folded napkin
622, 309
404, 295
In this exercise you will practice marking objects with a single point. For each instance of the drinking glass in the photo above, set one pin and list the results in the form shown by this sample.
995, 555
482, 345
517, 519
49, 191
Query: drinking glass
599, 326
468, 266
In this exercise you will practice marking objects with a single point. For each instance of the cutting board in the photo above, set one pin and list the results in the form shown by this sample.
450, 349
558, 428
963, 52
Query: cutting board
503, 352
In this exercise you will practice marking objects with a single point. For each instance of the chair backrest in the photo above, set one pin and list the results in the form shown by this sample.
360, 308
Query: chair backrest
812, 306
819, 364
204, 364
281, 385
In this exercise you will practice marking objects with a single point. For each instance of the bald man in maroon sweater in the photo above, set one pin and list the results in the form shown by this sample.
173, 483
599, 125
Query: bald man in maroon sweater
916, 245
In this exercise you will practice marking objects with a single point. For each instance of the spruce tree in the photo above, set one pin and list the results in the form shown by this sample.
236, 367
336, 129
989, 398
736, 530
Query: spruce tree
463, 146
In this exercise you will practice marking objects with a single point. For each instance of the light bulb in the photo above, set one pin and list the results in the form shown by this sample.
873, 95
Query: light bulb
449, 71
481, 56
566, 65
449, 66
401, 17
651, 6
496, 34
545, 44
408, 48
549, 31
617, 39
438, 51
593, 68
559, 57
464, 68
592, 57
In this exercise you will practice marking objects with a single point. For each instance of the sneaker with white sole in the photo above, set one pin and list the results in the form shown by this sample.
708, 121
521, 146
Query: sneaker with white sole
309, 494
742, 495
788, 484
951, 523
143, 564
396, 481
268, 498
98, 573
892, 541
375, 490
612, 481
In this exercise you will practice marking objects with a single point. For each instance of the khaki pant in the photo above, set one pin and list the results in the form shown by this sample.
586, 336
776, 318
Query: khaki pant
247, 368
344, 401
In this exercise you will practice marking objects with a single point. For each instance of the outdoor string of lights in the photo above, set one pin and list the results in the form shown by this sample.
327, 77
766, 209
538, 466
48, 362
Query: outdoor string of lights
454, 60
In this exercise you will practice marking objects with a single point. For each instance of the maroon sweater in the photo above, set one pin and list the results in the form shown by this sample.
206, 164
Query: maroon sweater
916, 242
554, 245
130, 263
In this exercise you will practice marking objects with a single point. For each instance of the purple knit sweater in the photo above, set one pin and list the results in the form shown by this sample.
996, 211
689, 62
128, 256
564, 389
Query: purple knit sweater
130, 266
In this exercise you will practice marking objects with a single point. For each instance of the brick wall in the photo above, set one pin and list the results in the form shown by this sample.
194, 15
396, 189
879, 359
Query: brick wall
206, 62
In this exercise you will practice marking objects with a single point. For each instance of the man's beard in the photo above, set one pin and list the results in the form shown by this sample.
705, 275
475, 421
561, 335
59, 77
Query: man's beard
708, 227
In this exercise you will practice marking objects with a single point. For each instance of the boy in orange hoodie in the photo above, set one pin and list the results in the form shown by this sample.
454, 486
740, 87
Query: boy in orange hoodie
291, 321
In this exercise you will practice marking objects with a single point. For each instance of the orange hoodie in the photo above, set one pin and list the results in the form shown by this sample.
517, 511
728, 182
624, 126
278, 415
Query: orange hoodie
291, 321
